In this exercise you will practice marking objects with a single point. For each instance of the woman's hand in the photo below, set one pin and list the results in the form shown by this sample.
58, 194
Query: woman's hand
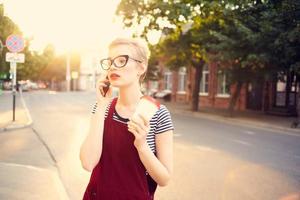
139, 127
100, 90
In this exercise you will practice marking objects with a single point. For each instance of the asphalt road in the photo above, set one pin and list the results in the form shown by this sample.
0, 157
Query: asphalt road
213, 160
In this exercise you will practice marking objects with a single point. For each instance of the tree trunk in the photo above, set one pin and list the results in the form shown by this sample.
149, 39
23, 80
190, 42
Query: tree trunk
266, 98
288, 89
297, 106
198, 76
234, 98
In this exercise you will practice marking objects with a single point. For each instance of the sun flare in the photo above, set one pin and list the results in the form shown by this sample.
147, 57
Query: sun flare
67, 24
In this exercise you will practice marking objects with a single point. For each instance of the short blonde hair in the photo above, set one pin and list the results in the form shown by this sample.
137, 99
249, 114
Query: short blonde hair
139, 45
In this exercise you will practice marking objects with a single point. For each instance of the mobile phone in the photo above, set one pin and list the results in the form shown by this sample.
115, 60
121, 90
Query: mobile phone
105, 89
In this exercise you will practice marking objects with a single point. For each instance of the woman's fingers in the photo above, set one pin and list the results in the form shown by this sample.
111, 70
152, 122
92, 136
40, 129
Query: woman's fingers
139, 122
134, 132
101, 85
138, 127
145, 121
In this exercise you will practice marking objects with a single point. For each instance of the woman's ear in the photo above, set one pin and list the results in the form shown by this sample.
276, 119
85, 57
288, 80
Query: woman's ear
142, 68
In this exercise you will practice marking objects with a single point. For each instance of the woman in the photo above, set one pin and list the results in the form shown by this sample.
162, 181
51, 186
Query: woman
127, 156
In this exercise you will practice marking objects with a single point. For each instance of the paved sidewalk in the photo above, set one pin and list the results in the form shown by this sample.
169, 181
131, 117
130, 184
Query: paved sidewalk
22, 115
27, 169
248, 118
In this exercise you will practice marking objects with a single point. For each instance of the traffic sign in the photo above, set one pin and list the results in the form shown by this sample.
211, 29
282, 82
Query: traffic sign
14, 43
15, 57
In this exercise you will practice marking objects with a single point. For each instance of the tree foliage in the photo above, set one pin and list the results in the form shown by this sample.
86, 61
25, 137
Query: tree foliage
249, 40
7, 27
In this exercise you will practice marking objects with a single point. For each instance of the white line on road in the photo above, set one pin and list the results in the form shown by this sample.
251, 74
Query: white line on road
51, 172
205, 148
177, 135
249, 132
25, 166
242, 142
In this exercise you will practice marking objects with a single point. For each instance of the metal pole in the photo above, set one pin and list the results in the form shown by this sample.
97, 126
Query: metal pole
13, 66
68, 77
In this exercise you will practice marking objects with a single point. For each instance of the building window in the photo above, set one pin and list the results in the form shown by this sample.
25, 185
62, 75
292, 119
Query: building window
168, 80
223, 86
181, 80
153, 85
204, 81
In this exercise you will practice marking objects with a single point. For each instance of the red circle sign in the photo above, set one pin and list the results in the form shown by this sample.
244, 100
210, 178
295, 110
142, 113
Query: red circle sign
14, 43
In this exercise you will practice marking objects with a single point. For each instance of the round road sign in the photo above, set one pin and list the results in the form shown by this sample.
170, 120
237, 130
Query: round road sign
15, 43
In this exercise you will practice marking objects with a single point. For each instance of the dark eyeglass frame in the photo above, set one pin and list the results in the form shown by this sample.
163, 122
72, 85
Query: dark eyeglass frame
112, 61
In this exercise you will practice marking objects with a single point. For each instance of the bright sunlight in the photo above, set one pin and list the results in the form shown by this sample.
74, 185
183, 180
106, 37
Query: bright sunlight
67, 24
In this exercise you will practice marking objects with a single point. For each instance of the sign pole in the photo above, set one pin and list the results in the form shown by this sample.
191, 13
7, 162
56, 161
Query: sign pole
13, 66
14, 44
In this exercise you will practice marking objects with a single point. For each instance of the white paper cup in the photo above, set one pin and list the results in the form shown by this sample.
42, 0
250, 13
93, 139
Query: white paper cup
147, 107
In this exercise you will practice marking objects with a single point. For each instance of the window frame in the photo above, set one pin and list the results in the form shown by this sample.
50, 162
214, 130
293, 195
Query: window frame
224, 94
182, 77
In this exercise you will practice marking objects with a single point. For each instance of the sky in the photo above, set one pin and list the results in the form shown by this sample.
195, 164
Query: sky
67, 24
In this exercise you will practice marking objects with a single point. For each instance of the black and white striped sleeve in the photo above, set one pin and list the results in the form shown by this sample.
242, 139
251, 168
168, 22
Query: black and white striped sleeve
164, 121
94, 108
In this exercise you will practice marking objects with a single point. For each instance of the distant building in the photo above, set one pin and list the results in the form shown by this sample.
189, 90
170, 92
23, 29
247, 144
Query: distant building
276, 97
90, 70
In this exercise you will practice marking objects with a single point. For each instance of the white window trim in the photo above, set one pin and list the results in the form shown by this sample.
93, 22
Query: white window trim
182, 74
169, 83
203, 83
203, 94
181, 92
223, 94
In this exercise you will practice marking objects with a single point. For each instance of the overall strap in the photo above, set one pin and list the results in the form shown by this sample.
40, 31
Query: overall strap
112, 108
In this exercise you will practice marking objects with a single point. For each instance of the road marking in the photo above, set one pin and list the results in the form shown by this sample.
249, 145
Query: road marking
25, 166
177, 135
205, 148
51, 172
249, 132
52, 92
242, 142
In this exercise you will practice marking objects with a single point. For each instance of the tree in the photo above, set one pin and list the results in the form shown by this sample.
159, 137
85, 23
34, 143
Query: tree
258, 42
7, 27
172, 18
246, 38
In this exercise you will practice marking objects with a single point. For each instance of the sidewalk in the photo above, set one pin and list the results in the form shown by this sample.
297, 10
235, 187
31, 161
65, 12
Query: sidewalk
22, 116
27, 168
248, 118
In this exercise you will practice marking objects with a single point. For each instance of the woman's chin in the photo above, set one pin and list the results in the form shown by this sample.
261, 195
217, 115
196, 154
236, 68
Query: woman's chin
116, 84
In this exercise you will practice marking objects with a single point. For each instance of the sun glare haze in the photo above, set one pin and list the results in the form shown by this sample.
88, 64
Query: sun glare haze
67, 24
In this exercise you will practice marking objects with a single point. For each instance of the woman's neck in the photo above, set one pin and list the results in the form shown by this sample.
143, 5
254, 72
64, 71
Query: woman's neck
129, 96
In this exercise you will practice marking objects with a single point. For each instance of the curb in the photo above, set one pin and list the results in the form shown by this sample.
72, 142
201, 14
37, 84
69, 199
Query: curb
240, 122
20, 126
52, 171
59, 184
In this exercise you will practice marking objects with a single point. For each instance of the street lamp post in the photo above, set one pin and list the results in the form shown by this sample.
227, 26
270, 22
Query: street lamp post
68, 76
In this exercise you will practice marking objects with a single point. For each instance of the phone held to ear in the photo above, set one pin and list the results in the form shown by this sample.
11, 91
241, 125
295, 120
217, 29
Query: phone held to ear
105, 89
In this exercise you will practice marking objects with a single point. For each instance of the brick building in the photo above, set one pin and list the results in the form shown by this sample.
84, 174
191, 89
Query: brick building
276, 97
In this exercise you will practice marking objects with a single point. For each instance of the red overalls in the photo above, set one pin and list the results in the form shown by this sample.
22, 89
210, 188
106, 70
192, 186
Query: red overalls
120, 174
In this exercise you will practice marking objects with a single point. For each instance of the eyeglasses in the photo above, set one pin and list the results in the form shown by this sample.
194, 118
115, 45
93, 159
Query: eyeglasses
119, 61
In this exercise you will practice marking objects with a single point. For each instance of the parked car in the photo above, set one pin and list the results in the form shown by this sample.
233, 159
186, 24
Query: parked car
28, 85
165, 95
7, 85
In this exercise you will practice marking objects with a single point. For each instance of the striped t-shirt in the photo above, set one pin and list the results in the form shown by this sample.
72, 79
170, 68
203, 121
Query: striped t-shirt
159, 123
